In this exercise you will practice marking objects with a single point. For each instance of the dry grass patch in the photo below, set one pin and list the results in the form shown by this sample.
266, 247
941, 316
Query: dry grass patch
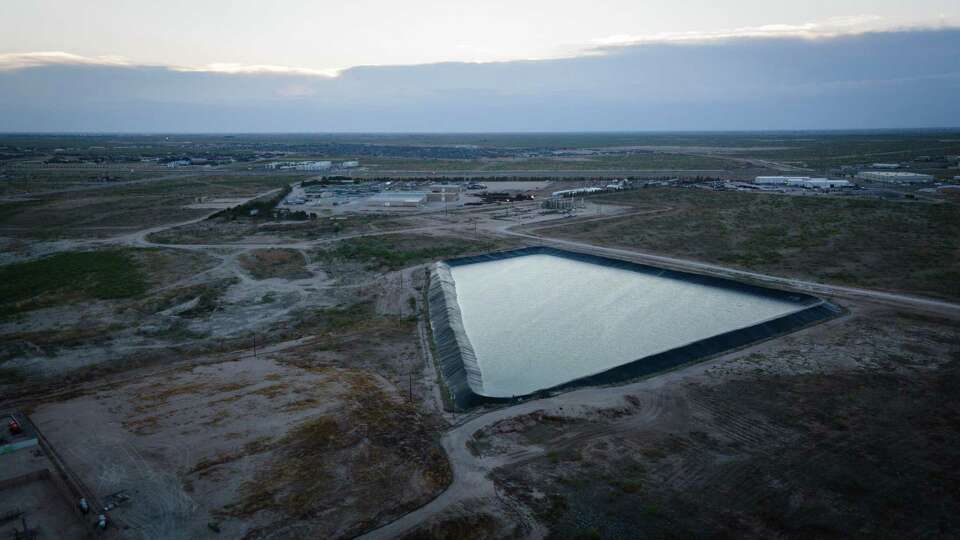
273, 390
468, 527
379, 452
257, 446
910, 246
275, 263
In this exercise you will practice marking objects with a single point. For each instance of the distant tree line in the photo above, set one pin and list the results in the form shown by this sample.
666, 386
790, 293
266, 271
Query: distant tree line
257, 209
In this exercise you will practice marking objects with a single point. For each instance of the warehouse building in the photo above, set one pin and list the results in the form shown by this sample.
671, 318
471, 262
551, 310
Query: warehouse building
398, 198
802, 182
897, 177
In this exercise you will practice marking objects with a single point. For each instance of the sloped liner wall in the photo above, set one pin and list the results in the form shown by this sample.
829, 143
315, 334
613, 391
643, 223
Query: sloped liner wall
458, 363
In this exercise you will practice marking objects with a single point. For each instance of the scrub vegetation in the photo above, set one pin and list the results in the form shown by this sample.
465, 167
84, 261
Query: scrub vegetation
869, 243
275, 263
224, 230
70, 276
271, 376
783, 443
358, 451
391, 252
649, 161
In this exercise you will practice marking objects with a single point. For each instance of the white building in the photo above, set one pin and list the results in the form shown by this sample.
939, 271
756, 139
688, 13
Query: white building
301, 165
802, 182
827, 183
398, 198
313, 165
350, 164
780, 180
898, 177
617, 186
577, 191
886, 165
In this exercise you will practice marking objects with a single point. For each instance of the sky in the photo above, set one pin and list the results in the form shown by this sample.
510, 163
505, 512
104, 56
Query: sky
518, 65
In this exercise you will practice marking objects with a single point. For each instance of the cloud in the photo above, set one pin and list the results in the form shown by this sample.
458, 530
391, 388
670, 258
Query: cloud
11, 61
15, 61
259, 69
828, 28
869, 80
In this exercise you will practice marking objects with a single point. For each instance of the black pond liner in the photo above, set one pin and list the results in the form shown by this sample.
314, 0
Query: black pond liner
457, 361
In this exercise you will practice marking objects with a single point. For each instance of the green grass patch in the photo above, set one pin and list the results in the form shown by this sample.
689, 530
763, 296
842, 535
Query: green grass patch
100, 275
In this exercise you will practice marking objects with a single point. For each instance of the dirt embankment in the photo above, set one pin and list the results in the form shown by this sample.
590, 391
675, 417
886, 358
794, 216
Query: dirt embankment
901, 246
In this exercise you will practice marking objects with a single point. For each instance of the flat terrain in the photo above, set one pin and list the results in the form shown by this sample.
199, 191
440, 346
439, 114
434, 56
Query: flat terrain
52, 210
912, 247
271, 377
258, 447
826, 433
639, 161
29, 494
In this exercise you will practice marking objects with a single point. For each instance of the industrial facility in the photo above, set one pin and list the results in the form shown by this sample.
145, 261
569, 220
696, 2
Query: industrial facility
311, 165
39, 496
491, 309
802, 182
577, 191
444, 193
398, 199
896, 177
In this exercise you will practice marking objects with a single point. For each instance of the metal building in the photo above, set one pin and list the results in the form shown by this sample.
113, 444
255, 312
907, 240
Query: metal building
897, 177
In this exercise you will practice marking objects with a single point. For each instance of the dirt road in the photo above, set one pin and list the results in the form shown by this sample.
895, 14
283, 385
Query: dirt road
713, 269
471, 473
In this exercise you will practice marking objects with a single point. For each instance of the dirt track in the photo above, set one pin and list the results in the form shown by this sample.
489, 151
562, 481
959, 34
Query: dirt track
472, 478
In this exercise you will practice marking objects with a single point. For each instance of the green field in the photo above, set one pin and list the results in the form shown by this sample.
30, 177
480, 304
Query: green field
909, 246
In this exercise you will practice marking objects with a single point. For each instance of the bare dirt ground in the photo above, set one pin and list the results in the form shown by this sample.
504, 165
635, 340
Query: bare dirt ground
336, 428
835, 433
275, 263
256, 446
837, 430
331, 430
